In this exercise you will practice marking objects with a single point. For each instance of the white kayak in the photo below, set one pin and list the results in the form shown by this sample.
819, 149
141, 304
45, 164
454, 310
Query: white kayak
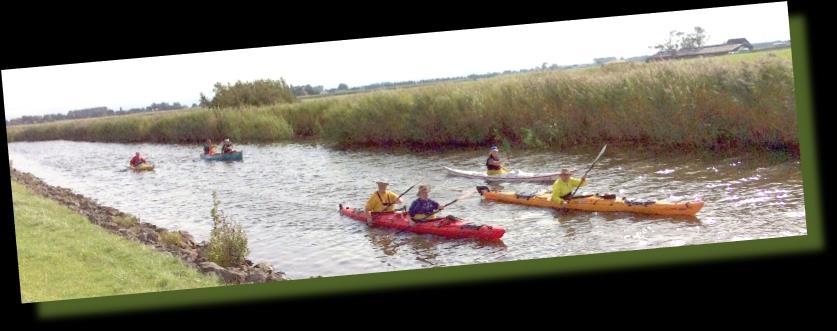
511, 176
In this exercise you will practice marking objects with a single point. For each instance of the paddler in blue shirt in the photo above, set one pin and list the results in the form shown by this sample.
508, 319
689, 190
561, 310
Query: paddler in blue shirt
423, 209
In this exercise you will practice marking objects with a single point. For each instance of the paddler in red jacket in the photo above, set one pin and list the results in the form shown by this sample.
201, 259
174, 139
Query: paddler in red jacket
137, 160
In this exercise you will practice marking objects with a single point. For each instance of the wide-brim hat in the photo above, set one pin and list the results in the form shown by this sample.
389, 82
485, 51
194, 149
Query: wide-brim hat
382, 181
494, 149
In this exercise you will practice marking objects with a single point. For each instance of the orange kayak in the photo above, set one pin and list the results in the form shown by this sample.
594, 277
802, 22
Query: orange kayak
596, 203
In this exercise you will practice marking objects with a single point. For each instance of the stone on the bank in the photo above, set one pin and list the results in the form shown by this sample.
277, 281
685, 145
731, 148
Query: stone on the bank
231, 276
257, 276
209, 266
186, 239
150, 235
188, 254
277, 276
264, 266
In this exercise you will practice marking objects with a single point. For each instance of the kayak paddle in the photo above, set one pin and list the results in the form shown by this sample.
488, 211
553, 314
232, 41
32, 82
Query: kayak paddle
591, 168
405, 192
507, 147
571, 196
463, 196
410, 188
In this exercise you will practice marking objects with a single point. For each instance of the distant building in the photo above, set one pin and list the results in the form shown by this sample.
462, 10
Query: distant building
732, 46
771, 45
603, 60
780, 44
641, 58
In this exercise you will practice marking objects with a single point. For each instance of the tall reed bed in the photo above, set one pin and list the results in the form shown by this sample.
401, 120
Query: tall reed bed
703, 103
191, 126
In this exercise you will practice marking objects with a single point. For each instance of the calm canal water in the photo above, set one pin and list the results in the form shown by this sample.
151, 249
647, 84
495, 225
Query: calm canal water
286, 195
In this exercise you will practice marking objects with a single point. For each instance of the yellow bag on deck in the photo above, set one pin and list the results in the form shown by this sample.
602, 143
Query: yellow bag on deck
497, 172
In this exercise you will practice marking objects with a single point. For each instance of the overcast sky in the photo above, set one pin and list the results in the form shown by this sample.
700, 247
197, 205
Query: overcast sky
181, 78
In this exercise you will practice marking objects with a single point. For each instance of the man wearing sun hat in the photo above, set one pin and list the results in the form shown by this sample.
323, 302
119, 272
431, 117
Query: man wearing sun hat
564, 185
380, 201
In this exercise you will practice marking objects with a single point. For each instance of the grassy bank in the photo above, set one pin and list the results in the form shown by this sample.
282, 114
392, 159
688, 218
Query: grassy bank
743, 100
61, 255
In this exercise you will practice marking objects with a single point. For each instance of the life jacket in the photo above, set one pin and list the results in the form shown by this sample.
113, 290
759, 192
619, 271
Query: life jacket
137, 160
388, 206
492, 167
426, 211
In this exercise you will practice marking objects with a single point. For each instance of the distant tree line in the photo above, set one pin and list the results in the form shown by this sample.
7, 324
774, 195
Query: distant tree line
152, 107
94, 112
261, 92
343, 88
307, 90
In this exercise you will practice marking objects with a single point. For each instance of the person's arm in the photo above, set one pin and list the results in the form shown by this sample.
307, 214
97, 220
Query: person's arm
394, 197
413, 207
412, 213
370, 204
437, 206
555, 194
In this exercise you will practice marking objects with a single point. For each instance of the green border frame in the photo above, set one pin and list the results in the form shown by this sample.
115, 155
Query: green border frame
222, 295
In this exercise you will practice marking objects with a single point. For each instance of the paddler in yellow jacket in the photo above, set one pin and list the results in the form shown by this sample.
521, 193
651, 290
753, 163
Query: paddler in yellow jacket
380, 201
493, 164
565, 185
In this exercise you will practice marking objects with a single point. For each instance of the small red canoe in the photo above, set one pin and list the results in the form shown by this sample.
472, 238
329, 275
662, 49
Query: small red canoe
449, 226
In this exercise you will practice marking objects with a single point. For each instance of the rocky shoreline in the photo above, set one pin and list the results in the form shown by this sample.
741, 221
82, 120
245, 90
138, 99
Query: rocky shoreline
176, 243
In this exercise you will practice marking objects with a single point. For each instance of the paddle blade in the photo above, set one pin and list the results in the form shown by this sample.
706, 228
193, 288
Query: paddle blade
591, 167
506, 146
601, 153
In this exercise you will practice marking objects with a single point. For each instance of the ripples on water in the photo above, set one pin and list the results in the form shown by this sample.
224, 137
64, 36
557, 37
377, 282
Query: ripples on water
286, 196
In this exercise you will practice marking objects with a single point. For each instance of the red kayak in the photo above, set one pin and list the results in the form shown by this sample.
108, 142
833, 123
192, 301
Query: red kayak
449, 226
